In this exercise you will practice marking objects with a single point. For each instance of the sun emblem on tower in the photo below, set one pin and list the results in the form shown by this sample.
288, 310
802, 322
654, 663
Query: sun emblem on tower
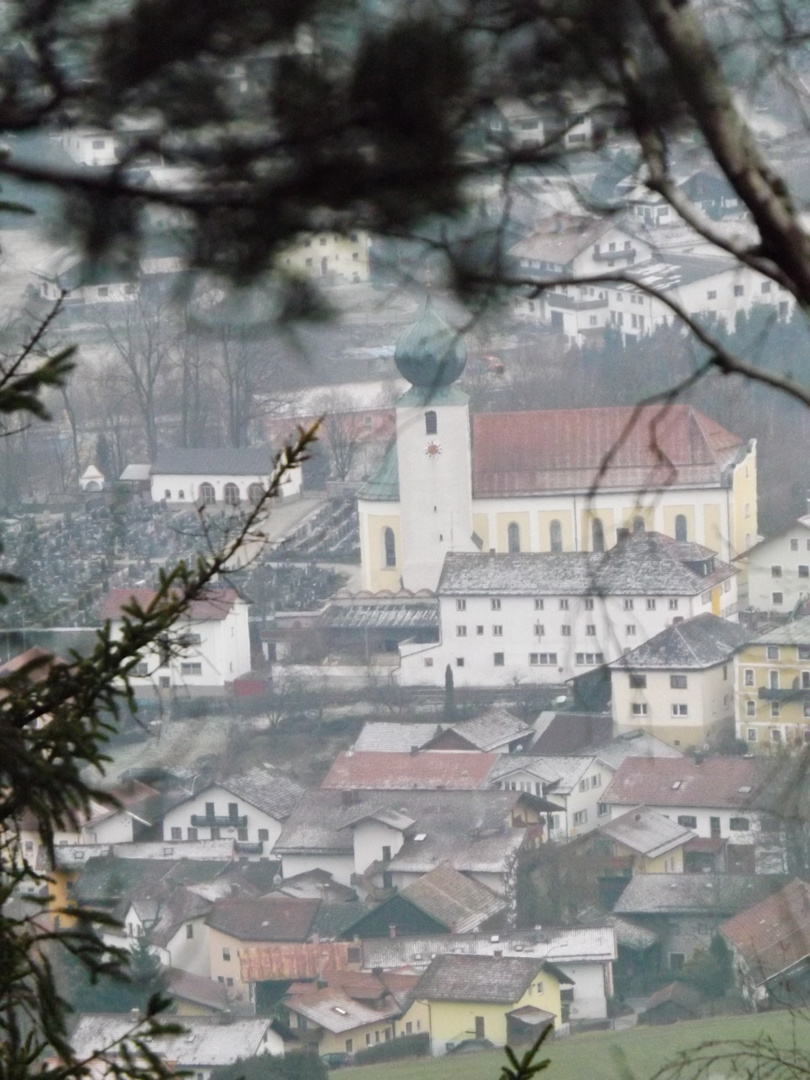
433, 449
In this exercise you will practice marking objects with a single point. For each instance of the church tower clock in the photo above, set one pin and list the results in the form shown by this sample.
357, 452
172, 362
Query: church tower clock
433, 450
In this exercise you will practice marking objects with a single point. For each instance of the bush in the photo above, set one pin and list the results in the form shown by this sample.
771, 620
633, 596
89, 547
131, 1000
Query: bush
407, 1046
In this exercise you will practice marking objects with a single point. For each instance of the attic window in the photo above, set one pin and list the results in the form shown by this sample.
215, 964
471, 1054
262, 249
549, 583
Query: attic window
339, 1011
676, 785
420, 836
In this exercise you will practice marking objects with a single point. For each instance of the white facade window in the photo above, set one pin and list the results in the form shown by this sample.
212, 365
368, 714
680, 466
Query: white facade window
497, 631
639, 708
630, 630
750, 708
581, 817
461, 605
680, 710
495, 605
650, 605
748, 677
539, 605
539, 630
461, 631
564, 604
752, 734
628, 604
565, 630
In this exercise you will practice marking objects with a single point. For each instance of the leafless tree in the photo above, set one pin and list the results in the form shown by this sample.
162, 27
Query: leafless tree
343, 432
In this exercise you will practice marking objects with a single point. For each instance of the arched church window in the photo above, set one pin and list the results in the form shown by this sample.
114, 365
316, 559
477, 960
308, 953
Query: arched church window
681, 528
555, 535
513, 537
255, 493
207, 494
431, 423
231, 494
598, 535
639, 525
389, 547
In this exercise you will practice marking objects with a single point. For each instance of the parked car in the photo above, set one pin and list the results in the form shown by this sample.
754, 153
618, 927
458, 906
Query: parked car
337, 1060
468, 1046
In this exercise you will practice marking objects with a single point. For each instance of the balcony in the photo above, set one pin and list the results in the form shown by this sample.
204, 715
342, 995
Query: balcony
245, 847
611, 256
218, 821
795, 693
573, 303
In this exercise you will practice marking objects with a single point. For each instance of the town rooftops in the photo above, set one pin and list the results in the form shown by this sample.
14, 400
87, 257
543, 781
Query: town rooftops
646, 832
333, 1009
685, 894
293, 960
457, 901
773, 935
271, 918
493, 729
390, 737
796, 632
702, 642
635, 743
560, 238
644, 564
501, 980
569, 944
265, 788
569, 732
716, 782
197, 990
461, 771
215, 605
205, 1042
612, 447
227, 461
561, 773
386, 615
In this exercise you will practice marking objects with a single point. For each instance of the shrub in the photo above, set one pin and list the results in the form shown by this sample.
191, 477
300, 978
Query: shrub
406, 1046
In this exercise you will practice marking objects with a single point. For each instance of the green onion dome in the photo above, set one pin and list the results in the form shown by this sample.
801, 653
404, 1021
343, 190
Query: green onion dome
430, 353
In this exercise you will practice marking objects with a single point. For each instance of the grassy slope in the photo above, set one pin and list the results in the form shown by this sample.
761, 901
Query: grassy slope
604, 1055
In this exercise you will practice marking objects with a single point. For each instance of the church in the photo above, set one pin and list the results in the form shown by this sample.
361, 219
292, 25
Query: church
560, 480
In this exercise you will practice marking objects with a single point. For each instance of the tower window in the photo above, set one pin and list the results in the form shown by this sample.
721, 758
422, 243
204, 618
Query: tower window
681, 531
390, 547
598, 533
431, 425
555, 536
513, 537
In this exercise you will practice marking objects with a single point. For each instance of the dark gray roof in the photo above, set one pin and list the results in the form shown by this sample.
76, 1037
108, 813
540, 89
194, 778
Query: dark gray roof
501, 979
267, 790
458, 901
384, 616
646, 564
383, 486
796, 632
702, 642
685, 894
636, 743
252, 461
493, 728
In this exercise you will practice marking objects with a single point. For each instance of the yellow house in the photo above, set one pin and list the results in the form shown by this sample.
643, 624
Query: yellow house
772, 681
354, 1011
336, 258
645, 842
502, 999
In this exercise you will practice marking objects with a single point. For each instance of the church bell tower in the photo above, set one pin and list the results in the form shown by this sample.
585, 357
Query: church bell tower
433, 450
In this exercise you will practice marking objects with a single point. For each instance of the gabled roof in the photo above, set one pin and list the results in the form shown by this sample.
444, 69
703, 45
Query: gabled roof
271, 918
796, 632
693, 894
526, 453
292, 960
205, 1042
717, 782
693, 645
461, 903
560, 238
563, 772
470, 854
493, 729
461, 771
497, 979
215, 605
382, 735
198, 989
333, 1009
570, 732
644, 564
228, 461
646, 832
803, 521
267, 789
636, 743
773, 935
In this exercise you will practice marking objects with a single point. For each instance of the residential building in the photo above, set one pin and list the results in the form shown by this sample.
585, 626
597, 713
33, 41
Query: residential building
713, 796
229, 477
249, 809
770, 946
574, 786
679, 684
173, 921
777, 569
208, 647
204, 1045
332, 258
685, 911
545, 618
585, 953
643, 842
772, 681
503, 999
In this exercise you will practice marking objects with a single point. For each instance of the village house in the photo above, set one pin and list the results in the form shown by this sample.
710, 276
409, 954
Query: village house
205, 1044
770, 947
777, 570
772, 682
173, 922
503, 999
713, 796
679, 684
585, 953
643, 841
249, 809
545, 618
208, 648
685, 911
225, 477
